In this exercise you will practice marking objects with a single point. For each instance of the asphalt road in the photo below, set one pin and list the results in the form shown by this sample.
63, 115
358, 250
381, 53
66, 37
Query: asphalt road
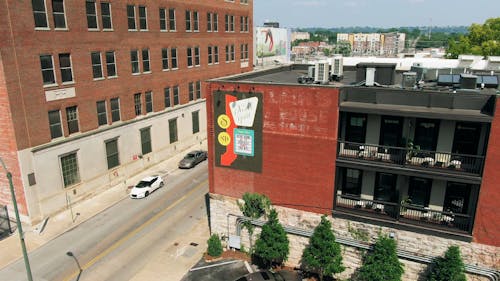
116, 244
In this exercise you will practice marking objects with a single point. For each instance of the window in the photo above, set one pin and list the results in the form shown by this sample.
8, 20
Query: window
149, 101
352, 182
55, 124
391, 131
40, 14
385, 187
466, 138
233, 57
196, 24
189, 57
216, 54
112, 153
137, 104
145, 60
196, 121
91, 14
176, 95
210, 55
216, 22
110, 63
244, 1
172, 130
163, 19
72, 119
230, 53
65, 67
171, 20
106, 16
173, 52
244, 24
164, 58
146, 140
244, 52
58, 13
188, 21
134, 59
95, 57
355, 129
229, 24
457, 197
197, 56
419, 191
115, 109
131, 17
143, 21
102, 116
198, 89
166, 93
47, 70
209, 22
227, 53
426, 133
69, 168
191, 90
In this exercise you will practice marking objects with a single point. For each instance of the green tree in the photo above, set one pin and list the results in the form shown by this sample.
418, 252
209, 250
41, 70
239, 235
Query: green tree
382, 264
449, 267
214, 245
323, 255
272, 247
255, 206
482, 39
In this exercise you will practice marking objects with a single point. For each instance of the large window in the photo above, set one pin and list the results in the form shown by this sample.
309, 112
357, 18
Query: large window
196, 121
40, 13
69, 168
164, 58
90, 8
134, 60
115, 109
171, 20
166, 93
107, 23
163, 19
188, 21
172, 130
229, 25
244, 52
419, 191
355, 128
426, 134
196, 21
72, 119
457, 197
149, 101
352, 182
176, 95
112, 155
131, 17
55, 124
385, 187
65, 67
110, 63
230, 53
137, 104
58, 13
143, 20
145, 61
391, 131
244, 24
47, 69
146, 140
102, 116
466, 138
95, 58
173, 53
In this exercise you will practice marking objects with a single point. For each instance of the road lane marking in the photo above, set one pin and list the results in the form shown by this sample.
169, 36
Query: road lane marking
134, 232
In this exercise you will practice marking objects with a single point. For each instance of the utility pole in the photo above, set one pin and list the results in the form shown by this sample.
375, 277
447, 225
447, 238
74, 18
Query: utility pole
18, 221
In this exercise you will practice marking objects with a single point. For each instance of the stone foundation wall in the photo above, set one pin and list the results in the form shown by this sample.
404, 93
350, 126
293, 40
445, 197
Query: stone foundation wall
415, 243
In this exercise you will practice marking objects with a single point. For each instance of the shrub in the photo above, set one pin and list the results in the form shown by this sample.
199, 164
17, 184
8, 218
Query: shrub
214, 246
382, 264
255, 206
449, 267
323, 255
272, 247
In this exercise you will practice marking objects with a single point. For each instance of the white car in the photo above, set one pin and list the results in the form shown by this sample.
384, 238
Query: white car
146, 186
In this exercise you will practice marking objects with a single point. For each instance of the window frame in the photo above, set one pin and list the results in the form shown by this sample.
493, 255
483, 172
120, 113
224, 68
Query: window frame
195, 121
53, 82
135, 62
148, 96
94, 15
66, 68
163, 19
114, 110
72, 119
188, 20
59, 13
56, 128
176, 99
198, 89
95, 65
165, 65
130, 18
146, 62
167, 97
138, 104
111, 64
172, 25
191, 91
70, 179
172, 130
102, 116
196, 56
45, 16
196, 21
143, 19
209, 21
189, 57
356, 186
112, 154
105, 16
146, 142
174, 60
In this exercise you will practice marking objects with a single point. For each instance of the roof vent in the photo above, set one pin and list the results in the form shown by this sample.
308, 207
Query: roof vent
409, 79
370, 76
468, 81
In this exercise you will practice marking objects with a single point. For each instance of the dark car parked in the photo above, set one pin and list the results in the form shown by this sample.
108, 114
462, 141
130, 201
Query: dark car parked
192, 159
282, 275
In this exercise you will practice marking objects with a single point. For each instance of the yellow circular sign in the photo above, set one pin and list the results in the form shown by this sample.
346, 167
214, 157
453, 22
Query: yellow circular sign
223, 121
224, 138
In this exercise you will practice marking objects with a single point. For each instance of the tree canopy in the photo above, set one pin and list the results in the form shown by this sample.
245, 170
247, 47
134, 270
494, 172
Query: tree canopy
272, 247
482, 39
449, 267
382, 264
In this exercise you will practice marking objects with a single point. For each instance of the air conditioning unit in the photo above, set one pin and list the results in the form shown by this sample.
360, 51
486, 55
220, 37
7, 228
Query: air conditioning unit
310, 71
321, 74
409, 79
337, 68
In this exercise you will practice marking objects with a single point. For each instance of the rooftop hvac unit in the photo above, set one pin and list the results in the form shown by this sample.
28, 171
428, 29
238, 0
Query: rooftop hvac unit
321, 73
409, 79
310, 71
468, 81
337, 66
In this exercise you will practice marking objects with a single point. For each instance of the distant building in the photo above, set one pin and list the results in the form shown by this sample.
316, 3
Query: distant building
300, 36
272, 24
393, 43
374, 44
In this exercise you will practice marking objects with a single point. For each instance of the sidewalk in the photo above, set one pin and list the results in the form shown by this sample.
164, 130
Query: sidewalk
68, 219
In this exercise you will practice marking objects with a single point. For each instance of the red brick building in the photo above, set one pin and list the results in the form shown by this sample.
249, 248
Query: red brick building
419, 163
94, 91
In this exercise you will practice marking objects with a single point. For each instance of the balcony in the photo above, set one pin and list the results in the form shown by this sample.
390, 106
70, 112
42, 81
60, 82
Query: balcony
442, 162
405, 214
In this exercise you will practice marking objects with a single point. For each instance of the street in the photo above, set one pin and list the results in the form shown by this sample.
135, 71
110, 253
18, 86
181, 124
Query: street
120, 241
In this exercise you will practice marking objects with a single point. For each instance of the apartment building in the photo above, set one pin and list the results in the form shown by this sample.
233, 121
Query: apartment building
378, 153
374, 44
92, 92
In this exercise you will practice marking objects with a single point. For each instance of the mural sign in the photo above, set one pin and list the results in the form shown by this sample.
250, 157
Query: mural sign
238, 130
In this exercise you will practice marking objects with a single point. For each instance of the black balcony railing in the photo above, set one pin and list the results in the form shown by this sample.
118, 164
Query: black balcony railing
410, 157
404, 213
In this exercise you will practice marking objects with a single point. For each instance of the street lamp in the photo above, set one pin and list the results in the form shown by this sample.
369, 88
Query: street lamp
18, 221
70, 254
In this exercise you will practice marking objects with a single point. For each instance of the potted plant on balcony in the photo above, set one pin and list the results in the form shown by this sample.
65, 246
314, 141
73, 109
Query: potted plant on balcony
405, 202
412, 150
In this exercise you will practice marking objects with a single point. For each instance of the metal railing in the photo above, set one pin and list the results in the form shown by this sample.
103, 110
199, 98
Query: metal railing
405, 213
5, 228
411, 157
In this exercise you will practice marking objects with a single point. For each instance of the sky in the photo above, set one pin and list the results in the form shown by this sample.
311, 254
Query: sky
374, 13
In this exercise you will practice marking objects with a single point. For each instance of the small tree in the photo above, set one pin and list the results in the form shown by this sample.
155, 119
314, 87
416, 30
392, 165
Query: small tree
449, 267
214, 245
255, 206
382, 264
323, 255
272, 247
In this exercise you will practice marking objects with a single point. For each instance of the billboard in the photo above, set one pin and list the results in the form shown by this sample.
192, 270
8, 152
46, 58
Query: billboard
273, 42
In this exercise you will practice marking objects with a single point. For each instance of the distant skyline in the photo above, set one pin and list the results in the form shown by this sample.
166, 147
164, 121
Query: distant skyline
374, 13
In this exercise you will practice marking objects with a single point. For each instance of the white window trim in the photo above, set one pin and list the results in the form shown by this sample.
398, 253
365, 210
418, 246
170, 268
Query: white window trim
116, 68
110, 18
65, 19
96, 17
70, 67
147, 25
53, 72
149, 61
46, 18
175, 20
102, 70
135, 18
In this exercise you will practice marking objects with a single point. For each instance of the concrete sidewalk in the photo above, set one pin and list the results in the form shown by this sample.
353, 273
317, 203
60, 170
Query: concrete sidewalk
86, 209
